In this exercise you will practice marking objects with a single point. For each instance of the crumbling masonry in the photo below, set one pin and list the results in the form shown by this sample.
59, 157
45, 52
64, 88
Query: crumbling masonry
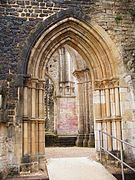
85, 50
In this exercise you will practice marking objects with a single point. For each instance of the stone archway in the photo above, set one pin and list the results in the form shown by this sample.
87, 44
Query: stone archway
102, 59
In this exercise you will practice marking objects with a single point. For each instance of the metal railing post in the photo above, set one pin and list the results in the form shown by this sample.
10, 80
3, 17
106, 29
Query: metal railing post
122, 166
100, 146
121, 158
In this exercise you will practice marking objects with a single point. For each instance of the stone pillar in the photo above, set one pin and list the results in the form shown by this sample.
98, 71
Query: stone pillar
25, 138
33, 138
85, 139
97, 115
84, 103
79, 141
117, 102
36, 137
67, 64
107, 101
109, 139
41, 101
91, 141
25, 123
33, 95
33, 120
112, 102
118, 133
25, 108
55, 115
118, 114
103, 105
103, 116
105, 138
62, 65
41, 125
97, 104
108, 114
114, 134
41, 138
86, 111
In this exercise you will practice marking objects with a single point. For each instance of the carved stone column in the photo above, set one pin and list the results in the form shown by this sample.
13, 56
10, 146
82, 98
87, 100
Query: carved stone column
25, 122
41, 100
103, 103
117, 102
91, 141
33, 95
33, 114
41, 124
86, 109
107, 101
25, 108
79, 141
55, 115
108, 115
117, 112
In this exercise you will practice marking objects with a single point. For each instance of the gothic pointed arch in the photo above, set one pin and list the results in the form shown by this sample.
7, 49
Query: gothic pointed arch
101, 56
75, 28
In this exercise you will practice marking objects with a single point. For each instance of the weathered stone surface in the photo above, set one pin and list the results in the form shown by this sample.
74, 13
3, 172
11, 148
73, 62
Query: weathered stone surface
22, 22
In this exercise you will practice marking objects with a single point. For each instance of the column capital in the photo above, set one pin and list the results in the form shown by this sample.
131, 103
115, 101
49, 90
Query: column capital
99, 85
34, 83
106, 83
41, 84
81, 74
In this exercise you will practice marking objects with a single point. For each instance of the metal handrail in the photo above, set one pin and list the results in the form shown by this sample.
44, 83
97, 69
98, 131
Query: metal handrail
121, 159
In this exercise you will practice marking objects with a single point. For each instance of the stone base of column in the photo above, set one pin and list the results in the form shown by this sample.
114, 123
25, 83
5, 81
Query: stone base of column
85, 140
79, 141
42, 163
33, 164
91, 141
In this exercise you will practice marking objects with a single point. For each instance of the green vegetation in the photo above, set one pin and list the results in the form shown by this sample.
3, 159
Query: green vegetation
118, 18
132, 13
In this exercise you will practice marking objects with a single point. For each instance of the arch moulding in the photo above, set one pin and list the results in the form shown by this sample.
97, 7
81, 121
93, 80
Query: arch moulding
102, 58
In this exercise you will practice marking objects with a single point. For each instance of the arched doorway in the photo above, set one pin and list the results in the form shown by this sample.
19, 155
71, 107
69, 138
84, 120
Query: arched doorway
101, 58
69, 116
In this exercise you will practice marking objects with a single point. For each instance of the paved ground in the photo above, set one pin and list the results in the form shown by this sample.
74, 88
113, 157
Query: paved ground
60, 152
75, 164
70, 163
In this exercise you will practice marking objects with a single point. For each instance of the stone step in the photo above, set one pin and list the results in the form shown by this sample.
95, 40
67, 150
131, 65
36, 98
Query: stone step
64, 141
27, 178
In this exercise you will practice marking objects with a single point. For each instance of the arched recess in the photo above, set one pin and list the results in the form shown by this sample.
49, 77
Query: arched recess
101, 56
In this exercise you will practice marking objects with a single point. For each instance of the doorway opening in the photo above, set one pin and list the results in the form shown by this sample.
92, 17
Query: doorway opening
76, 63
68, 100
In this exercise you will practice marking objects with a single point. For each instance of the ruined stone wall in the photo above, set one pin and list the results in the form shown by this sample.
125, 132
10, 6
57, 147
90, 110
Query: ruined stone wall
19, 19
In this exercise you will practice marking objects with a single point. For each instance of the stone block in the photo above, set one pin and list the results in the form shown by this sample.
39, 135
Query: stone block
20, 2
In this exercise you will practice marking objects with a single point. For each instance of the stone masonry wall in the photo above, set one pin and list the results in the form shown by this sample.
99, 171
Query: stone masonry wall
19, 19
41, 9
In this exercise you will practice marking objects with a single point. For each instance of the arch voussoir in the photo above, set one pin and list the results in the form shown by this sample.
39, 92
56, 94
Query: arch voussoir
91, 43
